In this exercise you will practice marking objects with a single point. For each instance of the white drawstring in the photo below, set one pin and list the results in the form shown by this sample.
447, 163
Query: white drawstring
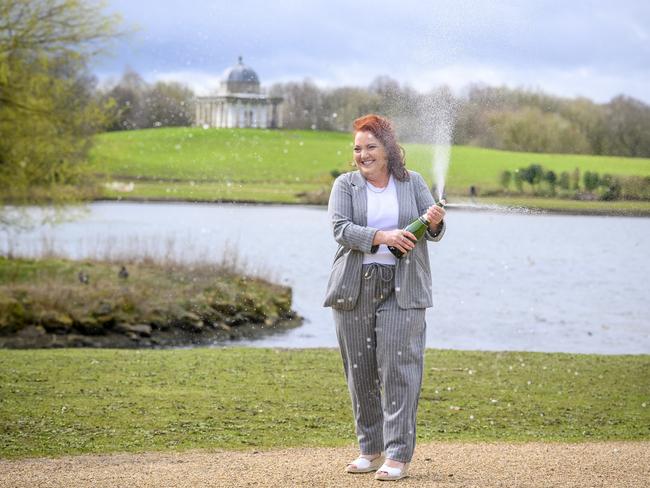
385, 275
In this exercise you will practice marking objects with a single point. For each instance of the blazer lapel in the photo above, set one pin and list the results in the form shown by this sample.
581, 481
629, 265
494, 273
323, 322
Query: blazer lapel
403, 216
360, 199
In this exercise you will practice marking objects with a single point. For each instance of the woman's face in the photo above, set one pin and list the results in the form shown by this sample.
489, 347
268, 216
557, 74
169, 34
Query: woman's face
370, 156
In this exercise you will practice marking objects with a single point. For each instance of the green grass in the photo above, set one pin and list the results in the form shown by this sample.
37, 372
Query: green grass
624, 207
223, 155
71, 401
482, 167
298, 160
248, 191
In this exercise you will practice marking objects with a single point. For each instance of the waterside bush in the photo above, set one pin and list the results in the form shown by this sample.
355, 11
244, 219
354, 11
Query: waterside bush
593, 186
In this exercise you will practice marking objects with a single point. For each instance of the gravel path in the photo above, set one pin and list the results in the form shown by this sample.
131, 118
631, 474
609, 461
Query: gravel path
438, 464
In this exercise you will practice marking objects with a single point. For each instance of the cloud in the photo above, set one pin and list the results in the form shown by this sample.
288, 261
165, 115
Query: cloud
596, 49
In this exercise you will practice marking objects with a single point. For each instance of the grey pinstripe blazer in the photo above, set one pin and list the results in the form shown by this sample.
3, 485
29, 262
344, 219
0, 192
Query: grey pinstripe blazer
347, 209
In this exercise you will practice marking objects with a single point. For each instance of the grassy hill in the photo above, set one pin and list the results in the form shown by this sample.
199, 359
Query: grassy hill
283, 166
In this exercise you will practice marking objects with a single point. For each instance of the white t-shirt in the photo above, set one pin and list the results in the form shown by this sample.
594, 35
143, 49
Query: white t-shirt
382, 215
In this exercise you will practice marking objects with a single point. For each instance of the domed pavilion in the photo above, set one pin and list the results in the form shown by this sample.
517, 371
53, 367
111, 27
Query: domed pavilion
239, 102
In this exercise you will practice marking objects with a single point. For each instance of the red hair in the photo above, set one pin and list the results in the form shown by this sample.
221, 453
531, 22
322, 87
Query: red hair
382, 129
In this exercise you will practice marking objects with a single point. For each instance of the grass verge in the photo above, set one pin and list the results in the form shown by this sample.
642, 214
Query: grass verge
632, 208
73, 401
223, 191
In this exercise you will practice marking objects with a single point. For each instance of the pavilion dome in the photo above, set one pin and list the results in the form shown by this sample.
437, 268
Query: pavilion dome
240, 79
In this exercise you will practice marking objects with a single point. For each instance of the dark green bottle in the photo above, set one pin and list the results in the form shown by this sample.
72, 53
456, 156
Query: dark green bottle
418, 227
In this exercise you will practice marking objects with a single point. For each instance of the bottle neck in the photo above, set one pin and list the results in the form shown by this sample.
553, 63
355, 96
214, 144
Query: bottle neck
423, 219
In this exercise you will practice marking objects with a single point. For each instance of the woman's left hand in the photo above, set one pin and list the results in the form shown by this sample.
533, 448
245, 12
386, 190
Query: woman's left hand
435, 214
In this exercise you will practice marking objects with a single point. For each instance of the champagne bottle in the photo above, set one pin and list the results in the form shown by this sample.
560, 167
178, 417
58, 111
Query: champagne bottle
418, 227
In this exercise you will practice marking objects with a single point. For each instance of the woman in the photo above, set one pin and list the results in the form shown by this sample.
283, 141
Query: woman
379, 301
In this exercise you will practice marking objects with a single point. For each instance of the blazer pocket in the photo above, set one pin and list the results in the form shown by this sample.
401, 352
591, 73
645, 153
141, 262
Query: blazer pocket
344, 283
420, 260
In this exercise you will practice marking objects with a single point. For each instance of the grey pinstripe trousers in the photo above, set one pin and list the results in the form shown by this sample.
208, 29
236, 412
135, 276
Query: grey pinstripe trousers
382, 347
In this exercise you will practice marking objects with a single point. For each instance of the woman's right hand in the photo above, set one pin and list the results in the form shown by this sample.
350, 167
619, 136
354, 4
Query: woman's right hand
398, 238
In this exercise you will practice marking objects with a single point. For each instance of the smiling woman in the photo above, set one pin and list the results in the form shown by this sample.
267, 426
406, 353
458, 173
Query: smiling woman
379, 302
376, 136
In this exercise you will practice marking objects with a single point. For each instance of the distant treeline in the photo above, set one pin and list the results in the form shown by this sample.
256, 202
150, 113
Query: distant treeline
136, 104
501, 118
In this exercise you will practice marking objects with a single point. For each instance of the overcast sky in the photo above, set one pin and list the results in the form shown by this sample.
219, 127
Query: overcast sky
597, 49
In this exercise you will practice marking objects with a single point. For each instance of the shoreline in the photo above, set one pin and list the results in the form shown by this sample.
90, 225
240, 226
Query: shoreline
470, 207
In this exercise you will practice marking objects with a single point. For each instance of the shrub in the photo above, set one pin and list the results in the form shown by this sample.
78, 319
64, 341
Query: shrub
519, 181
608, 187
591, 180
575, 179
506, 178
612, 188
635, 187
533, 174
565, 180
551, 178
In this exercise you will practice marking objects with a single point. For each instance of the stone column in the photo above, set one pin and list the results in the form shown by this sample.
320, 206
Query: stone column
232, 116
261, 120
276, 118
271, 114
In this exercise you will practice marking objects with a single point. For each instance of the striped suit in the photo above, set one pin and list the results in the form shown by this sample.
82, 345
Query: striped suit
379, 314
348, 212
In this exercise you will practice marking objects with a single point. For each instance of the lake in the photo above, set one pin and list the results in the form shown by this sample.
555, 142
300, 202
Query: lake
502, 281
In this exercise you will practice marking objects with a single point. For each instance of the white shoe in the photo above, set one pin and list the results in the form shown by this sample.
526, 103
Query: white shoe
364, 465
389, 473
